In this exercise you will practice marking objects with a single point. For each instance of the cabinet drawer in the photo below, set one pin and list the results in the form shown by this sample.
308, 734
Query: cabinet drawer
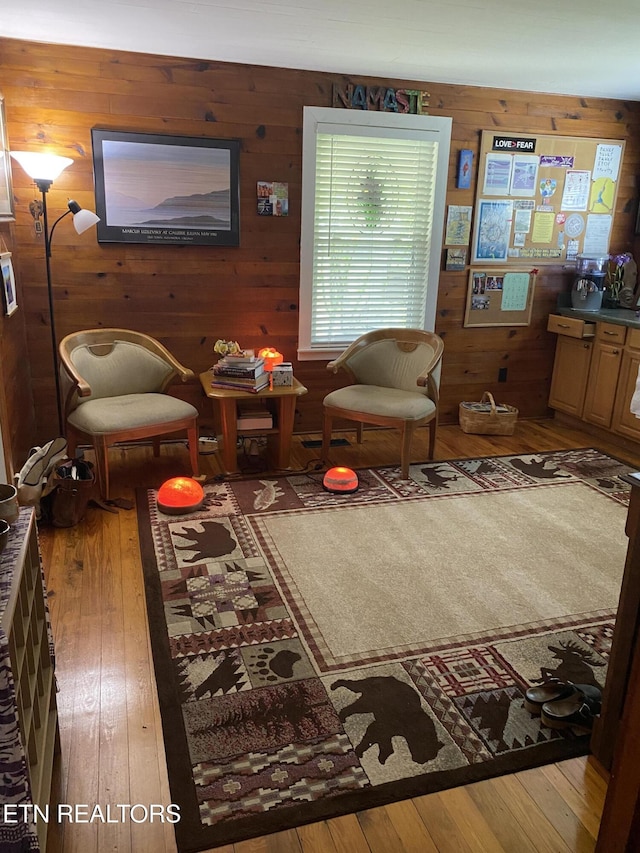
611, 333
633, 338
570, 326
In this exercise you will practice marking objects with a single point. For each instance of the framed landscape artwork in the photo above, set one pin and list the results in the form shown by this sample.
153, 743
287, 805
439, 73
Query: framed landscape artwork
152, 188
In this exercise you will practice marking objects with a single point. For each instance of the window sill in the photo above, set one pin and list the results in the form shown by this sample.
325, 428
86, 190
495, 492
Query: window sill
320, 354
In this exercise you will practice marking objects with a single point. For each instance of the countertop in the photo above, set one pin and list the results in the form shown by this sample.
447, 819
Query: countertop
618, 316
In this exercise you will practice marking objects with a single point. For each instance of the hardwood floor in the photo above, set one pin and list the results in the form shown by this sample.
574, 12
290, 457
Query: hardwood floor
112, 749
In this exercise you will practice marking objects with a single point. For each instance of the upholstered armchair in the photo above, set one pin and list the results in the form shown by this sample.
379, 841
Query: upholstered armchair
396, 380
114, 382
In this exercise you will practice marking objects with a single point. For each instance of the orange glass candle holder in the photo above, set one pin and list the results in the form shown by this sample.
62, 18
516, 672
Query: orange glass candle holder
271, 357
340, 480
180, 495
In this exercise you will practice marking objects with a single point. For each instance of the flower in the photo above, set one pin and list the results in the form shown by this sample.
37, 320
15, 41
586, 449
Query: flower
615, 273
223, 347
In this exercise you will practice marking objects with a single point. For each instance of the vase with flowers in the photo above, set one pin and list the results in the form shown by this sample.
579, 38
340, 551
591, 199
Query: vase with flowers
615, 279
223, 347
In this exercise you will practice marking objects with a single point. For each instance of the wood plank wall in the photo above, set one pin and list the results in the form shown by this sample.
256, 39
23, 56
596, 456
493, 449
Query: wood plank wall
17, 414
188, 296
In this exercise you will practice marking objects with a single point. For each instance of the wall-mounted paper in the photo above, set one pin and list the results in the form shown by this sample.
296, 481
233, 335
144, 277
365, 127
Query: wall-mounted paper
515, 290
603, 193
543, 223
524, 175
522, 220
607, 163
497, 175
576, 190
596, 236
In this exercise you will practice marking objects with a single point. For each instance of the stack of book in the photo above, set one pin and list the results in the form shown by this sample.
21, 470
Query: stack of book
242, 372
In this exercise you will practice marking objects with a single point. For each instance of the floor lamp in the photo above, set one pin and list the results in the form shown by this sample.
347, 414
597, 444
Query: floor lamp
43, 169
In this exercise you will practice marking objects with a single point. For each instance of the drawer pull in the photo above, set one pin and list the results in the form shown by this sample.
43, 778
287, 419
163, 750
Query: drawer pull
564, 326
607, 332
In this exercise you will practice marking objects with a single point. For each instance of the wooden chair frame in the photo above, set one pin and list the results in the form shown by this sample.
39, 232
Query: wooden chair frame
406, 340
101, 341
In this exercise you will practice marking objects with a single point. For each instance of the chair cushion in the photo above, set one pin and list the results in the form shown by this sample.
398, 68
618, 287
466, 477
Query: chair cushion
127, 368
376, 400
129, 411
383, 363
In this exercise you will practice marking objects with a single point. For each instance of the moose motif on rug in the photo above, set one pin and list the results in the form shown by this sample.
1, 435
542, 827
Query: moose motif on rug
397, 712
575, 665
435, 479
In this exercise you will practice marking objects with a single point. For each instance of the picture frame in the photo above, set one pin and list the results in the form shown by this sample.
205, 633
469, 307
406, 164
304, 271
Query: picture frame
492, 230
8, 284
465, 166
499, 296
7, 209
455, 259
172, 190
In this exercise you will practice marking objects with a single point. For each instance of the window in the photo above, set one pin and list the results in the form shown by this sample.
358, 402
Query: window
373, 190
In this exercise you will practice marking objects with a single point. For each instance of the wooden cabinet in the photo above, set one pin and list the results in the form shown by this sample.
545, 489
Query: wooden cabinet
594, 380
570, 327
624, 421
570, 375
26, 649
603, 374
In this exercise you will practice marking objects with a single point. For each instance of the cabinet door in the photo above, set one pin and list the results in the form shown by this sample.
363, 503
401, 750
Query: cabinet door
570, 373
624, 422
603, 381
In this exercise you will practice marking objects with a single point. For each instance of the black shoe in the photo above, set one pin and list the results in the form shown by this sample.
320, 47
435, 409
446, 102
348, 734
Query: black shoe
576, 712
550, 691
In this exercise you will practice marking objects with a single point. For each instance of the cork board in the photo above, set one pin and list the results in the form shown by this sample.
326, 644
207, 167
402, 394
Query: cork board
544, 199
499, 296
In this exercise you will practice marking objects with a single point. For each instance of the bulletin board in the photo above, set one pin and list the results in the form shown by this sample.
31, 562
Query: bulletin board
498, 296
544, 199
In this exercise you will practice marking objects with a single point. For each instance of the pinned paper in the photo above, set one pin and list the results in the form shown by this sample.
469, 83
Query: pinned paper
577, 184
543, 227
515, 291
607, 164
497, 174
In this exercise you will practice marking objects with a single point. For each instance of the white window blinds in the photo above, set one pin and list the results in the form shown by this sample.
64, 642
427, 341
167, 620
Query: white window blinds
376, 202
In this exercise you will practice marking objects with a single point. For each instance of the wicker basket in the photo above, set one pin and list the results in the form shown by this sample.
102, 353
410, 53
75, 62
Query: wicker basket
490, 421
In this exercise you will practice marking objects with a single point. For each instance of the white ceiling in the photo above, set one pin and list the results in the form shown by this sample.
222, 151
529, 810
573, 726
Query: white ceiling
573, 47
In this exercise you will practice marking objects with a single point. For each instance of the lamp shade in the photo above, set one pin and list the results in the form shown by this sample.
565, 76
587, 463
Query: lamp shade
84, 219
41, 166
271, 357
180, 495
340, 480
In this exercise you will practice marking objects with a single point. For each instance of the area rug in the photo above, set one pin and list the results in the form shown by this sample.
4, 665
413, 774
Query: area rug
318, 654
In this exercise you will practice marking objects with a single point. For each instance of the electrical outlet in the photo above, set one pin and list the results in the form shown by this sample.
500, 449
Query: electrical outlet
502, 374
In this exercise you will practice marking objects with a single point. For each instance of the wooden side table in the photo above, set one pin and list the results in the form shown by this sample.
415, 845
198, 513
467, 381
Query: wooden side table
278, 437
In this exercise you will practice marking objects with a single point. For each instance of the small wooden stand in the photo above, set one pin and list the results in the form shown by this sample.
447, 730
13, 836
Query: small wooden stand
279, 436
